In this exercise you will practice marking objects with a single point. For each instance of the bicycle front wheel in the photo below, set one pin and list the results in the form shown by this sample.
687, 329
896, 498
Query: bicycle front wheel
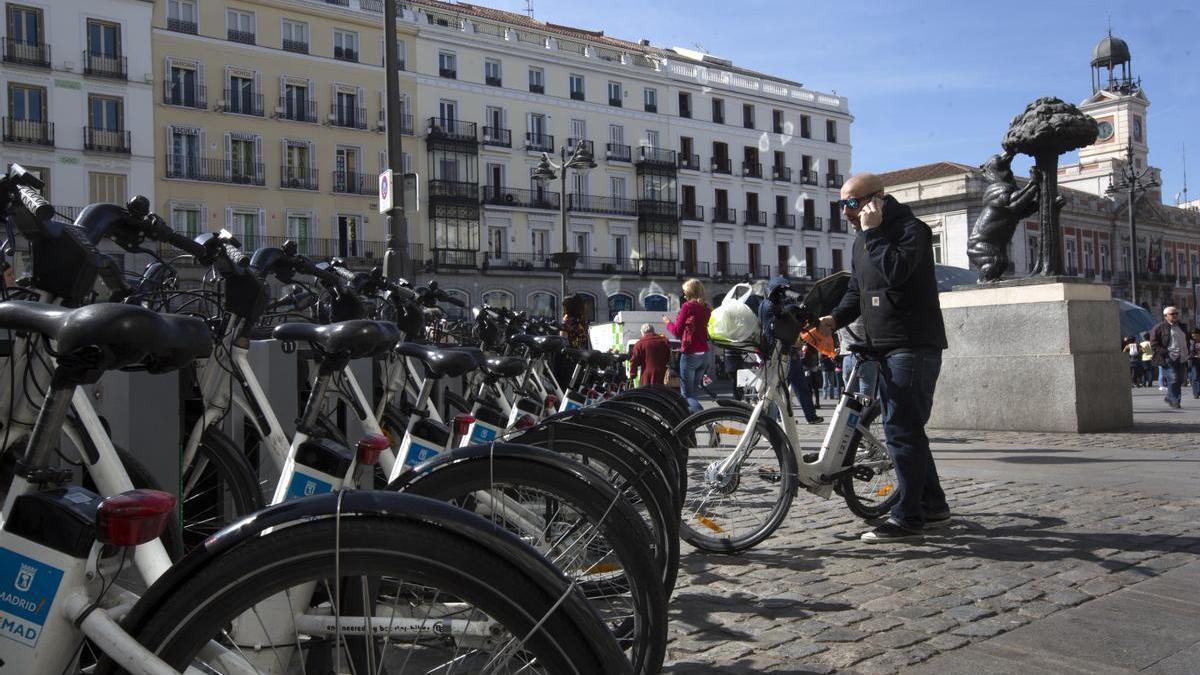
733, 510
872, 488
291, 602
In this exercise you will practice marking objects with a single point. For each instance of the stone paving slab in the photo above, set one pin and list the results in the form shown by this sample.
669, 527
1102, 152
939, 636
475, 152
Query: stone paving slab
813, 598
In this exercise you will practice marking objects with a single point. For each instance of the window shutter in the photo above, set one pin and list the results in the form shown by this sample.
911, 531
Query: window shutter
226, 94
228, 155
229, 218
259, 169
261, 226
204, 226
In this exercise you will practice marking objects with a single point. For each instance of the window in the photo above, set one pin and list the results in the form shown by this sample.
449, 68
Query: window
837, 260
685, 104
754, 257
296, 105
937, 248
689, 256
401, 54
576, 87
107, 187
296, 164
805, 126
181, 16
1088, 257
537, 80
1104, 265
448, 65
345, 45
539, 243
241, 97
620, 248
615, 94
294, 36
748, 116
183, 159
299, 228
184, 88
777, 121
244, 223
583, 244
831, 131
652, 138
186, 220
655, 302
784, 256
619, 302
617, 187
239, 26
241, 159
1032, 252
106, 125
498, 298
491, 73
348, 110
497, 242
722, 257
25, 26
650, 99
103, 49
27, 108
718, 111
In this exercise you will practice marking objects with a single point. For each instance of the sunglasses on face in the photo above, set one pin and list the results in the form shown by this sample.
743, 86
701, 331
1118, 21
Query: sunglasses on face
856, 202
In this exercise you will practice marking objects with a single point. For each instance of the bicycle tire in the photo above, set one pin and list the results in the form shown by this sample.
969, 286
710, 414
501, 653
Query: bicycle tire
228, 488
678, 455
710, 511
629, 598
432, 557
871, 499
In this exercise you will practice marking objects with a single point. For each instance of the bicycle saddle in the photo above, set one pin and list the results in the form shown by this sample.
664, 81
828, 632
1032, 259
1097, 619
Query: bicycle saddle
355, 339
504, 366
107, 336
540, 344
439, 362
474, 352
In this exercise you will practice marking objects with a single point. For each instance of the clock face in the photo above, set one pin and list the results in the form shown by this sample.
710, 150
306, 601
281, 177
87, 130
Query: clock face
1106, 130
1137, 129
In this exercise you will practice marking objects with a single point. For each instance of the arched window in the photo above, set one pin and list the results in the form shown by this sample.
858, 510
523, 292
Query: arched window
619, 302
498, 298
589, 307
454, 311
543, 304
655, 303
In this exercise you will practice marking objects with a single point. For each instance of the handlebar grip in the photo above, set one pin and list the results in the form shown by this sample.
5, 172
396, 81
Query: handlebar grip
36, 203
236, 255
344, 273
457, 302
185, 244
325, 275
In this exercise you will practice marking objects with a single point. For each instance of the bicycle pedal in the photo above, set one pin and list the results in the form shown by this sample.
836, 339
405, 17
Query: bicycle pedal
811, 457
770, 475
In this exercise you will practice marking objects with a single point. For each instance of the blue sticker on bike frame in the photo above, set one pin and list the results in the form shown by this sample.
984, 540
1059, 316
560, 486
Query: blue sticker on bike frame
306, 486
852, 420
572, 405
27, 589
418, 453
482, 434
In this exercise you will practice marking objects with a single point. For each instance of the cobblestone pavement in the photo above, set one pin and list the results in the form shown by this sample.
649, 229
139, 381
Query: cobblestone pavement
813, 598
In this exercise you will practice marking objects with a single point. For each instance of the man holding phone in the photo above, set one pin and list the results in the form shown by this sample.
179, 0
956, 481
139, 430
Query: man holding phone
894, 290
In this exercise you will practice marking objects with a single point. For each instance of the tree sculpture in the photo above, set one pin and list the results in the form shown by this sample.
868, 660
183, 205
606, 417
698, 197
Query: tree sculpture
1048, 128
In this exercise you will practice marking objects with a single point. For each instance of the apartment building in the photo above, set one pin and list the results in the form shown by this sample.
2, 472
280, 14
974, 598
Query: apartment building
77, 85
271, 122
702, 168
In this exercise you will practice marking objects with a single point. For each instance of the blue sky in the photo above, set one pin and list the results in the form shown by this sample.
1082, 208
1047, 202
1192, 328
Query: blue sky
933, 80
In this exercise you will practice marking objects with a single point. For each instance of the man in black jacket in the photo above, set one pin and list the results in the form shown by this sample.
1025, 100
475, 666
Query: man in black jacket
894, 289
1171, 344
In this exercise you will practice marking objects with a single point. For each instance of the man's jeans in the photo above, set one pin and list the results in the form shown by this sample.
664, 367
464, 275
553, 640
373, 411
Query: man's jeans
906, 383
1194, 374
691, 378
798, 378
1173, 373
867, 371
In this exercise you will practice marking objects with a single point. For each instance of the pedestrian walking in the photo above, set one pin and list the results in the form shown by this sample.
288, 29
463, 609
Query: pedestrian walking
829, 378
649, 357
1148, 368
1194, 363
691, 327
894, 289
797, 376
1135, 360
1171, 344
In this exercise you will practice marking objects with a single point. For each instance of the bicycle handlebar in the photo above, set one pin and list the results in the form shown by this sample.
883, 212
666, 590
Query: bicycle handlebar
36, 204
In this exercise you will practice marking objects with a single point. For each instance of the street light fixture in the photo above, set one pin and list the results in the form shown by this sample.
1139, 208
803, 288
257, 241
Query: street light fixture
547, 170
1133, 182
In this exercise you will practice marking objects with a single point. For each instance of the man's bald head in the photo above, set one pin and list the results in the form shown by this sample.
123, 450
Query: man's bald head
861, 185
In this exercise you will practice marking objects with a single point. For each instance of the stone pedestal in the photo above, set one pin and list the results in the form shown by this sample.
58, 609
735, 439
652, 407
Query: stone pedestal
1027, 356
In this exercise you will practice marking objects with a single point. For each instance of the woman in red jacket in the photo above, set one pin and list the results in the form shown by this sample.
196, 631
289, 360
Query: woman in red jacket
691, 327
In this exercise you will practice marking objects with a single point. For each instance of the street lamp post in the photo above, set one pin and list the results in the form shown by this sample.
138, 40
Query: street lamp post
1132, 182
581, 161
397, 228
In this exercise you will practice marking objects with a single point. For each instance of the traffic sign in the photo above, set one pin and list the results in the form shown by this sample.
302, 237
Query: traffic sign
385, 191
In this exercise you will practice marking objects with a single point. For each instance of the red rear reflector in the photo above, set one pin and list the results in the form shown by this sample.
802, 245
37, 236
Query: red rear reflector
462, 423
551, 402
134, 517
524, 421
370, 447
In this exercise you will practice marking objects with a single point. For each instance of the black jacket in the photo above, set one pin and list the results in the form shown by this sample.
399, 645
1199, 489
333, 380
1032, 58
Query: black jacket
893, 285
1160, 342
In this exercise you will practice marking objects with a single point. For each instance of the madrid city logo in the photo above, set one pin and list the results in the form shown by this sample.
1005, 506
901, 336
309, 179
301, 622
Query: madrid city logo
25, 577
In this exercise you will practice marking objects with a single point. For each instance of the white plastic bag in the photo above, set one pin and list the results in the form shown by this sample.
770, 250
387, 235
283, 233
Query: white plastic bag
740, 293
733, 321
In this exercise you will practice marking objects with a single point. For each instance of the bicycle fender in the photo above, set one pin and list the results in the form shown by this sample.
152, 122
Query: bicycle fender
731, 403
486, 451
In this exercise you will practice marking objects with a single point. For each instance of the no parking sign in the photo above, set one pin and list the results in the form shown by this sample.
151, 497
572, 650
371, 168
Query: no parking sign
385, 191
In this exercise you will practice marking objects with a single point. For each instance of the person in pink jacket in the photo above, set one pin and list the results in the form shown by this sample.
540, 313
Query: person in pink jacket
691, 327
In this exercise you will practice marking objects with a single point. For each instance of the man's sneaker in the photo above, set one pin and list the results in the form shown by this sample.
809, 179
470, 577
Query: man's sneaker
937, 519
890, 532
816, 420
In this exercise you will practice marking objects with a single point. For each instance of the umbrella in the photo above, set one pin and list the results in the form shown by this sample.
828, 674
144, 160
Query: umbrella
1135, 320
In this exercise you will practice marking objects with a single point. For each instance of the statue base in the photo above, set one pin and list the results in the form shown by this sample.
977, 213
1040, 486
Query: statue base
1040, 354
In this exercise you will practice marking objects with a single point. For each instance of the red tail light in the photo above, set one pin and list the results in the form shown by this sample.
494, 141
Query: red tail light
524, 421
370, 447
551, 402
134, 517
592, 393
462, 423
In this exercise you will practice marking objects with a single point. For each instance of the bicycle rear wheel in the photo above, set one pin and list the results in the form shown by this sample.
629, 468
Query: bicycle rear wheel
735, 510
873, 488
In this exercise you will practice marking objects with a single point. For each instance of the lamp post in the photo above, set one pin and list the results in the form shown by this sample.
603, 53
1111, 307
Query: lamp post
581, 161
397, 228
1132, 182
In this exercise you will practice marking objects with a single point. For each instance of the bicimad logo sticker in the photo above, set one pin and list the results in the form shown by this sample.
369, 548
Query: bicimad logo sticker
25, 577
27, 590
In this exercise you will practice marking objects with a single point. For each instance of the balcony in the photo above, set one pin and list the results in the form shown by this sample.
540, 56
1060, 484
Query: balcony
36, 54
100, 65
453, 191
339, 3
214, 170
833, 180
576, 95
406, 122
345, 54
724, 215
31, 132
752, 169
240, 36
535, 142
537, 89
652, 209
438, 127
492, 81
296, 110
689, 162
616, 206
106, 140
454, 258
785, 221
782, 174
811, 223
587, 145
692, 212
371, 5
756, 218
181, 26
497, 137
614, 102
651, 107
242, 103
347, 117
616, 152
651, 155
295, 46
175, 93
839, 225
520, 199
718, 118
685, 113
297, 178
777, 128
355, 183
722, 165
694, 268
522, 262
808, 177
448, 73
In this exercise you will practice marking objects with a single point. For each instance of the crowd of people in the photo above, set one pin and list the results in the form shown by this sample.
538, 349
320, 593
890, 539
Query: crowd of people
1167, 356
